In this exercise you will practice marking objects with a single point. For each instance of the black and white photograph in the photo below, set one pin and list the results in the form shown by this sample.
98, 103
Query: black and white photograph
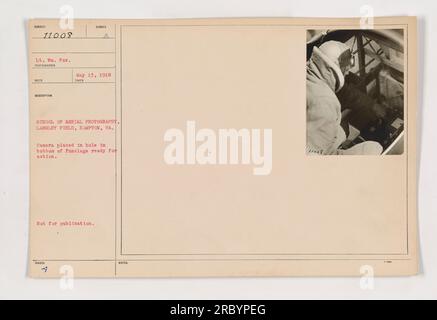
355, 92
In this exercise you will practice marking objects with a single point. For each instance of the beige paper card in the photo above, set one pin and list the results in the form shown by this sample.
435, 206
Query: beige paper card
223, 147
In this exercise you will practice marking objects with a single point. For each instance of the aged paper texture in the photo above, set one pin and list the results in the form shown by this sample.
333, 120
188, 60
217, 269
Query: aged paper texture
223, 147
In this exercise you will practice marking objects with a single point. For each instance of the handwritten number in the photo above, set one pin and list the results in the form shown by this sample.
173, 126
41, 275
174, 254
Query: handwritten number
56, 35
